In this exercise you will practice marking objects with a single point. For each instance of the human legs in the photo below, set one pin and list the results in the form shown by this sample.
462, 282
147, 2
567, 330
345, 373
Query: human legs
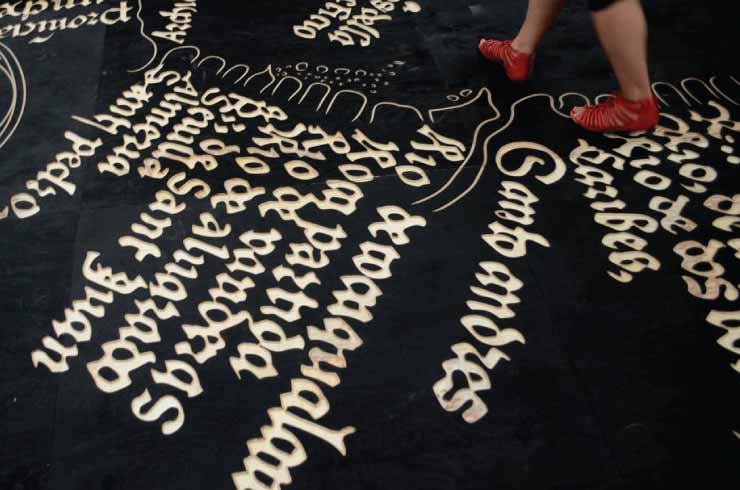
517, 56
622, 30
541, 14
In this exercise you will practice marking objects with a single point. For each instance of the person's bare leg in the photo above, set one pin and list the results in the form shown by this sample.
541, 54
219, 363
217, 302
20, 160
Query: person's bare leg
517, 56
622, 30
541, 14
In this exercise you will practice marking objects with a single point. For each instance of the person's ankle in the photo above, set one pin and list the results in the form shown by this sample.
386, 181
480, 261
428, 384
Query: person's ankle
522, 46
635, 94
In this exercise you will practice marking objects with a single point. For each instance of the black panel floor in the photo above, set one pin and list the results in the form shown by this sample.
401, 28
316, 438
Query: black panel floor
327, 245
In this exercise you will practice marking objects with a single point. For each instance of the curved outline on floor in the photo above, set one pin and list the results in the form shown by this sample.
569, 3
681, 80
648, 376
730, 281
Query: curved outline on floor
483, 90
246, 72
362, 109
566, 94
267, 70
484, 163
300, 86
323, 99
189, 46
683, 85
597, 99
273, 79
223, 62
473, 145
395, 104
714, 86
145, 36
18, 89
655, 92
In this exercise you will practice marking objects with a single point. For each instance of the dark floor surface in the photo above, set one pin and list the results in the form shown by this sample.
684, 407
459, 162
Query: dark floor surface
596, 383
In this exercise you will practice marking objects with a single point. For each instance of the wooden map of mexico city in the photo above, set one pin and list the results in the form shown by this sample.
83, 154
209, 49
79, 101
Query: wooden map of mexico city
264, 245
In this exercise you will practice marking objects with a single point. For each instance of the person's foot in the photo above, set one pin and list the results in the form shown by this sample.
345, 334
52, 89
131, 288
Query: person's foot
618, 114
518, 65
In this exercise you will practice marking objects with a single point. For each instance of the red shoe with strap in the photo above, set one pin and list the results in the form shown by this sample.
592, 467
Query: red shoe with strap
518, 65
618, 114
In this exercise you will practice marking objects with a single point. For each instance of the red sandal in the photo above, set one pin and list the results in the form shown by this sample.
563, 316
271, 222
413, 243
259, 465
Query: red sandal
618, 114
518, 65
